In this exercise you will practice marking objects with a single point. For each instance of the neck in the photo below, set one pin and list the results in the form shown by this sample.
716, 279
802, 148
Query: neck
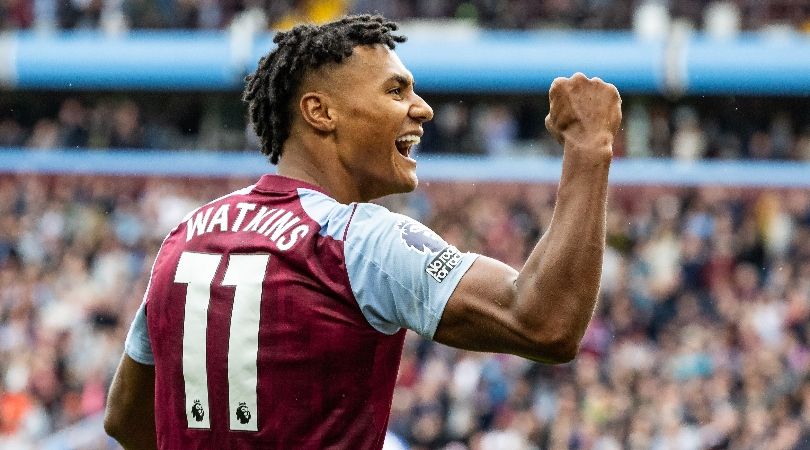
302, 163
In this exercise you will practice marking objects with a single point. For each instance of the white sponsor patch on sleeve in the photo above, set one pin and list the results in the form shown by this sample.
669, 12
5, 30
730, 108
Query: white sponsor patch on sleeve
443, 263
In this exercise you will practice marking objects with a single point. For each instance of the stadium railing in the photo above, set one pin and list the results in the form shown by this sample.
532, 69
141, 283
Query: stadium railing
526, 169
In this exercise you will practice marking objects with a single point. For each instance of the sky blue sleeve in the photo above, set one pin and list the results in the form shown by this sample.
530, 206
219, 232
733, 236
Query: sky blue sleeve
401, 272
138, 346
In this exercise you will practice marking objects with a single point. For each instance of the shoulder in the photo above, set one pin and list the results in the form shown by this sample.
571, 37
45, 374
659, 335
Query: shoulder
349, 222
332, 216
372, 221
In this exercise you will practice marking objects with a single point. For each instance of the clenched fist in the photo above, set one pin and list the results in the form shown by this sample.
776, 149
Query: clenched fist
585, 112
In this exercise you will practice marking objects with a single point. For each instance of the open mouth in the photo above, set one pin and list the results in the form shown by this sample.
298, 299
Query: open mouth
406, 143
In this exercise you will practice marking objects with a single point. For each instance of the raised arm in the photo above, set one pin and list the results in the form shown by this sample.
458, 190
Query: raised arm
542, 311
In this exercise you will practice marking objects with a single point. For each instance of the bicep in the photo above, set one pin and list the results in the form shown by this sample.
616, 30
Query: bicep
132, 378
479, 315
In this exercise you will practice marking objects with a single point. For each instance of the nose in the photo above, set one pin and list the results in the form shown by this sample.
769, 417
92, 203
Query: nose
420, 110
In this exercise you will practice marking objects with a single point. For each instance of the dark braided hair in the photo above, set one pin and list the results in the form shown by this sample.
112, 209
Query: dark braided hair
270, 89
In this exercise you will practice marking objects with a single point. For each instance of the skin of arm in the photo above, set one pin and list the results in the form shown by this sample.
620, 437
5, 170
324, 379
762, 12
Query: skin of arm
130, 413
541, 312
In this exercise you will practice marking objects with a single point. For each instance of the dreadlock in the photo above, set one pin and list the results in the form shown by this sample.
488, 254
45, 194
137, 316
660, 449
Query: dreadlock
269, 90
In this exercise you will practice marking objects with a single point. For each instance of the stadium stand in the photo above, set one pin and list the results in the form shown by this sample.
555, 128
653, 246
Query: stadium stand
502, 14
701, 338
686, 94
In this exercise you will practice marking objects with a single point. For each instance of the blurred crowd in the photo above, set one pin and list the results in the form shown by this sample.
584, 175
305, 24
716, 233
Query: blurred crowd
109, 123
280, 14
753, 128
711, 128
700, 339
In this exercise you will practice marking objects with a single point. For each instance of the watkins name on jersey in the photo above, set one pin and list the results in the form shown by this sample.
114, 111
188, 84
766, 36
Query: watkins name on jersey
277, 224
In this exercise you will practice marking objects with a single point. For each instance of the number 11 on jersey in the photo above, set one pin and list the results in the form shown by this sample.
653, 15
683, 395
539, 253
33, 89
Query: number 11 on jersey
246, 273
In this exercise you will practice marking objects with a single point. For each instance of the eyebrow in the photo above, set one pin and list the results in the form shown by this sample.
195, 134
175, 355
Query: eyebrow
407, 81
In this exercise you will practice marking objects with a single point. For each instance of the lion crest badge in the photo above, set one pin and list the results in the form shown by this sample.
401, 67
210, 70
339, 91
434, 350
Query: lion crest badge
197, 411
420, 238
243, 413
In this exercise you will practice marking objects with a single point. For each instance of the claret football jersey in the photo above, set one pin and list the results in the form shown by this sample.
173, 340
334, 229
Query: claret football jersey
275, 318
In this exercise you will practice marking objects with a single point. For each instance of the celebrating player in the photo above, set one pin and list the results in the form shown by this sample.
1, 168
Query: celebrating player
275, 316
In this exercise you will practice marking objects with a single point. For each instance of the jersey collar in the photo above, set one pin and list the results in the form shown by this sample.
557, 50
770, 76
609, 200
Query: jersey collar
279, 183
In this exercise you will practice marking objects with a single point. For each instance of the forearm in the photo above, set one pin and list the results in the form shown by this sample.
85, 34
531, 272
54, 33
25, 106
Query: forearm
558, 286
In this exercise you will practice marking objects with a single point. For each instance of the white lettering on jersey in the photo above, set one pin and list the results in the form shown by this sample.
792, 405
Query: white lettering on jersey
276, 224
220, 218
270, 220
281, 225
254, 223
243, 209
196, 225
300, 231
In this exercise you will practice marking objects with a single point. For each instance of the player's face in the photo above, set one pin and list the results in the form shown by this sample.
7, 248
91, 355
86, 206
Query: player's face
380, 121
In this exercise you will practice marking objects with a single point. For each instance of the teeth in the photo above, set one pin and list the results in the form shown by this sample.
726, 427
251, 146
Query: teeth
412, 139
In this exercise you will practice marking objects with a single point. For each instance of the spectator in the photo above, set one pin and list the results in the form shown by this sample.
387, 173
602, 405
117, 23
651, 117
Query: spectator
127, 131
73, 124
45, 135
11, 133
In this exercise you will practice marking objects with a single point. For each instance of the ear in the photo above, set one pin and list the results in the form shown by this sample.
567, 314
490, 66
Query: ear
316, 112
